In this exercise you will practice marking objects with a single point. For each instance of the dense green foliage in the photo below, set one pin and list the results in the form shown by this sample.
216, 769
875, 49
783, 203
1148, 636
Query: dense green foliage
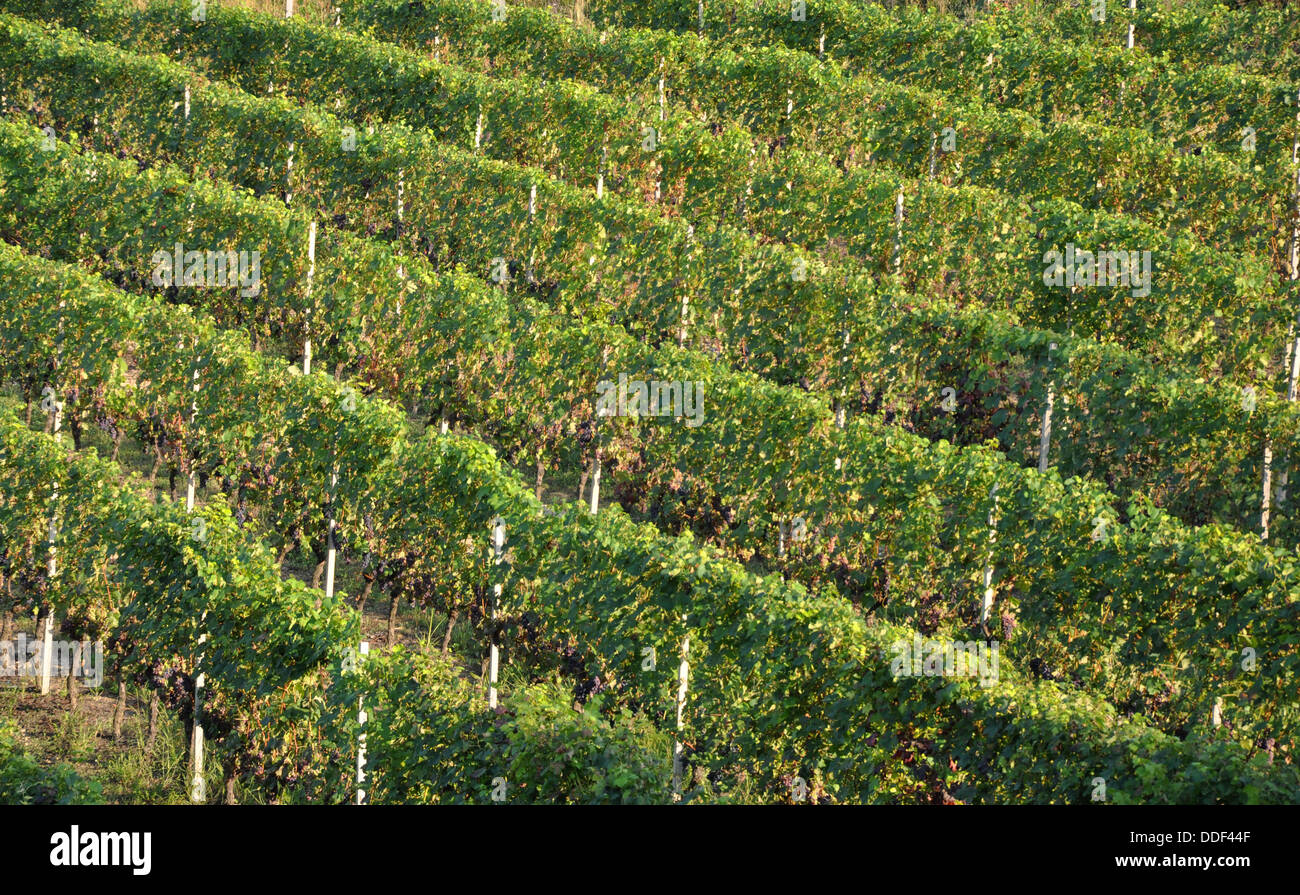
616, 586
1209, 308
796, 99
1119, 418
504, 219
1013, 67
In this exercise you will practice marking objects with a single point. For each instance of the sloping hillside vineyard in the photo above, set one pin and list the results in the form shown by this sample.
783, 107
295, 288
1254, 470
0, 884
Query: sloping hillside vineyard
653, 401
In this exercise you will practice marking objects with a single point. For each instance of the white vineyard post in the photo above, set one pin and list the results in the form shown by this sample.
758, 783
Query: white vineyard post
311, 274
934, 152
659, 173
401, 199
841, 411
595, 460
194, 412
749, 187
288, 176
1216, 715
189, 209
331, 547
897, 262
683, 673
987, 600
1295, 220
532, 220
789, 103
52, 567
1045, 439
478, 131
821, 43
686, 296
494, 658
362, 718
1267, 488
600, 175
51, 572
663, 113
288, 9
198, 786
701, 12
1293, 336
401, 217
1132, 23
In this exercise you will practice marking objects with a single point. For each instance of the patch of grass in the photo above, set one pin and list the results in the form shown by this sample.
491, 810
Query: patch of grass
25, 781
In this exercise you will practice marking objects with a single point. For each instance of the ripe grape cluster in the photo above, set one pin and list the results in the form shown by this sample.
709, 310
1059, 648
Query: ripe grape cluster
108, 425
